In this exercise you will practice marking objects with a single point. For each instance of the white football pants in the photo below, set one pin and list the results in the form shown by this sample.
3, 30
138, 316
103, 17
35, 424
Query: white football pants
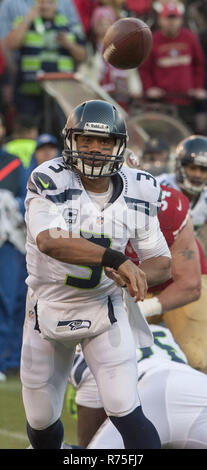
45, 368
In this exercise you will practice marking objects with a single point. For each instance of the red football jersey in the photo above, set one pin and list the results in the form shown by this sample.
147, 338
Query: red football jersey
173, 217
173, 214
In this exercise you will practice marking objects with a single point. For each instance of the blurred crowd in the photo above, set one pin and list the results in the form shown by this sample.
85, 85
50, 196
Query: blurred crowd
58, 36
65, 36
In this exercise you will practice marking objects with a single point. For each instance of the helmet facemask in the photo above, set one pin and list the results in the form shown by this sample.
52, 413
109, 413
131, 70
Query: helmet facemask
95, 118
185, 184
93, 164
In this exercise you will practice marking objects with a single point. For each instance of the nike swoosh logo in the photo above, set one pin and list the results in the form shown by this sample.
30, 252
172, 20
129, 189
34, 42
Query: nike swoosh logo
179, 207
45, 185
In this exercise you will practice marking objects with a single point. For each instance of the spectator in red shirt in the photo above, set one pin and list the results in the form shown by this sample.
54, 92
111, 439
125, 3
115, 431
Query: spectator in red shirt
175, 69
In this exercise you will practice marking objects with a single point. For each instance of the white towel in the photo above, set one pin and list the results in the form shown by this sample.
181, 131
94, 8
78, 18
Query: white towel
142, 334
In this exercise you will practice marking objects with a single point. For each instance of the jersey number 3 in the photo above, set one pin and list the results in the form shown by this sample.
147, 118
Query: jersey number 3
95, 272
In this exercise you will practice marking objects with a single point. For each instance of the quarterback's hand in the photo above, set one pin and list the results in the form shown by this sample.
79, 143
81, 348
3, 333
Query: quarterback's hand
135, 280
133, 277
123, 281
112, 274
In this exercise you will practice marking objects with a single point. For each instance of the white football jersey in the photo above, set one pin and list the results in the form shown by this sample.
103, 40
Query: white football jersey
197, 211
164, 349
57, 198
164, 352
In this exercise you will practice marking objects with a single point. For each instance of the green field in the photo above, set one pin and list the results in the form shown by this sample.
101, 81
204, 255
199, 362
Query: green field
12, 417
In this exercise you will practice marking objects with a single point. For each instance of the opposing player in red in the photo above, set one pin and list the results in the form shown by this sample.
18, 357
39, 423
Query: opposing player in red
182, 300
177, 228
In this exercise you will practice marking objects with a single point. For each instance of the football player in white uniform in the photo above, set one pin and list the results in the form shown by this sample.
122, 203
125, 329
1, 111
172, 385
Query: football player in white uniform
190, 177
173, 395
81, 210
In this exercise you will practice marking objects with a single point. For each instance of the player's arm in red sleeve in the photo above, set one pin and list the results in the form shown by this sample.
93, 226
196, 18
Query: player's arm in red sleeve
186, 284
177, 227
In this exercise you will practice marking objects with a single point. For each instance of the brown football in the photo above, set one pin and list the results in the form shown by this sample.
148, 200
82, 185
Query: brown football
127, 43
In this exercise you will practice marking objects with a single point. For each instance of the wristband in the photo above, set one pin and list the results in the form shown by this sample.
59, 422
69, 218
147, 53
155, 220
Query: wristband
113, 258
150, 307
